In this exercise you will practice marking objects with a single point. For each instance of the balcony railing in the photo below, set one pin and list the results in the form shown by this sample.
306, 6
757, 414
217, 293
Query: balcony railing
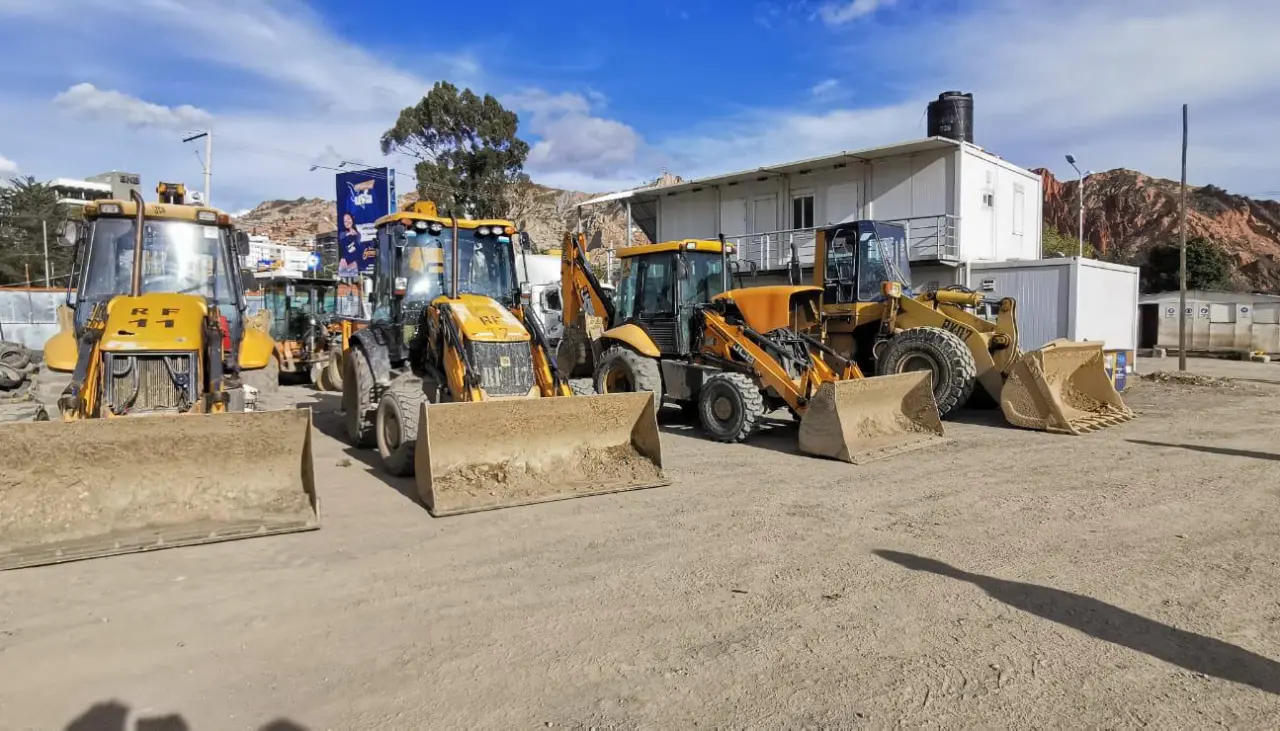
929, 238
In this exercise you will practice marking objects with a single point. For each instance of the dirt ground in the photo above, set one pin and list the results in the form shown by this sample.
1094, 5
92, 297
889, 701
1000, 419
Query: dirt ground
1006, 578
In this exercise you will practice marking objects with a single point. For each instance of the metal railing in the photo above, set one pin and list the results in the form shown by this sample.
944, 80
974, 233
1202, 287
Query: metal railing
931, 238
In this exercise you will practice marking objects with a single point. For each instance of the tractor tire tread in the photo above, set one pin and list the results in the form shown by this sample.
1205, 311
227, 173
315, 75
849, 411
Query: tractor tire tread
646, 374
359, 377
407, 393
949, 350
752, 401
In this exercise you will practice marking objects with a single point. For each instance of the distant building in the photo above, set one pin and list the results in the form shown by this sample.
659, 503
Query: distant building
72, 192
120, 183
1217, 322
267, 256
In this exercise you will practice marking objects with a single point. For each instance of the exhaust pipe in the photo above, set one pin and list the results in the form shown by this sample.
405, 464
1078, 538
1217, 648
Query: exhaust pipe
139, 220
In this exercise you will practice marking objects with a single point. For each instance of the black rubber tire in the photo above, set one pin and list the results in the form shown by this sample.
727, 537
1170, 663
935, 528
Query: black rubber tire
10, 378
741, 396
332, 375
357, 400
397, 424
943, 353
582, 387
14, 355
629, 371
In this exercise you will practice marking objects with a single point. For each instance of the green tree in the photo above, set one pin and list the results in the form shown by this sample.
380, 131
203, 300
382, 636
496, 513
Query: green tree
27, 210
1208, 266
467, 150
1055, 243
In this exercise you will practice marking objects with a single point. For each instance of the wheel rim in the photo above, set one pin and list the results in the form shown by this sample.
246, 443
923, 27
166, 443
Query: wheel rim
618, 380
391, 430
722, 408
918, 362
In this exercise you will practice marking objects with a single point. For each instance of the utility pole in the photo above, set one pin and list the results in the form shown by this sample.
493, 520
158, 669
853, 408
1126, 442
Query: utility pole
207, 163
44, 236
1182, 253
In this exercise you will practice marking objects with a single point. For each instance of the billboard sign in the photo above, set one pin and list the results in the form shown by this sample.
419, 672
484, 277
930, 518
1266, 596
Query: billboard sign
364, 196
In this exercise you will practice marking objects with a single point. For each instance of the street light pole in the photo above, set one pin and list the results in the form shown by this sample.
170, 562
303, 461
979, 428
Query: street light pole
207, 163
1080, 184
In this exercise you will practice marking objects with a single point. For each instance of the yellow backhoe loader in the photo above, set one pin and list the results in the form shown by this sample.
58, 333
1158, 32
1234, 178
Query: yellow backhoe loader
154, 448
730, 356
453, 380
871, 315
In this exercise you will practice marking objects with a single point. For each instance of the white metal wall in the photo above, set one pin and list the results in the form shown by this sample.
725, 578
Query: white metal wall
1001, 209
1066, 298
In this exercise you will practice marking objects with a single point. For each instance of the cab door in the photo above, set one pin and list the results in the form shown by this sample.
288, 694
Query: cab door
656, 294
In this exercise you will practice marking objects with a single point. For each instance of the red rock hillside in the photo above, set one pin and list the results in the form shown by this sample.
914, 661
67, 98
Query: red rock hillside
1127, 213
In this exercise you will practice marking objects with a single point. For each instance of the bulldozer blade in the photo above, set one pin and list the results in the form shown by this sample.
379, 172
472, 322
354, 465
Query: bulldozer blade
101, 487
1062, 388
864, 419
485, 455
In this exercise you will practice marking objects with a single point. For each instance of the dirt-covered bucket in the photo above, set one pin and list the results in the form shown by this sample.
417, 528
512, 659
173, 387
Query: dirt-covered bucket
495, 454
1063, 388
865, 419
99, 487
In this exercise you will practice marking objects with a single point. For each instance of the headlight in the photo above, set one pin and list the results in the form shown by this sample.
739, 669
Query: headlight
207, 216
482, 231
111, 209
421, 225
436, 227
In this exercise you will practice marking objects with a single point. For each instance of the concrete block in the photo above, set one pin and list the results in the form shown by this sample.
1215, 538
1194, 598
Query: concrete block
1158, 353
1259, 358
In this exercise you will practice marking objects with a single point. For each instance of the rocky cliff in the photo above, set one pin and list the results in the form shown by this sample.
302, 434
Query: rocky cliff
1127, 213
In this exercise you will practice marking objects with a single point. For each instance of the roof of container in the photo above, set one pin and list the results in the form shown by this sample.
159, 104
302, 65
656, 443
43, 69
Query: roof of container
79, 184
863, 155
1209, 295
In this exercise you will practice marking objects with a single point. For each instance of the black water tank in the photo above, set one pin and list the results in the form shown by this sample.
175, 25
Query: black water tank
951, 116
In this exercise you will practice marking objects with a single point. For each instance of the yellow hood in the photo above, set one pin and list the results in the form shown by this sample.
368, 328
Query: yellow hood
155, 322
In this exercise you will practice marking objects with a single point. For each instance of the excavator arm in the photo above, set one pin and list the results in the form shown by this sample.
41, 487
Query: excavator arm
579, 289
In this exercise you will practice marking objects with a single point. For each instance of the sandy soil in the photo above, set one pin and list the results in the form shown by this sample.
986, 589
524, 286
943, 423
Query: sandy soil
1005, 578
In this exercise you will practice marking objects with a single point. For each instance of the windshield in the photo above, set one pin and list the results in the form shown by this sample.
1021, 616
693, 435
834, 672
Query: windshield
178, 256
706, 277
882, 254
485, 265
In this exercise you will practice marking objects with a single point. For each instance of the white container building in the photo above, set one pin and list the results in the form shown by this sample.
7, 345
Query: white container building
959, 203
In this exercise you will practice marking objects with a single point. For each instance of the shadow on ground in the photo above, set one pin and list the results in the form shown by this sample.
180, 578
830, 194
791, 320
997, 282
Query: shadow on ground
1228, 451
1103, 621
114, 716
327, 417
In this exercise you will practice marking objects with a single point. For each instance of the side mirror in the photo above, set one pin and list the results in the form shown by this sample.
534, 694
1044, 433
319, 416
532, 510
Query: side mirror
526, 292
241, 240
526, 243
367, 285
69, 235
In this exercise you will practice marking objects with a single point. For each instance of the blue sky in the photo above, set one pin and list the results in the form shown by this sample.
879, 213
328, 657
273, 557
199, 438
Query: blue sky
610, 93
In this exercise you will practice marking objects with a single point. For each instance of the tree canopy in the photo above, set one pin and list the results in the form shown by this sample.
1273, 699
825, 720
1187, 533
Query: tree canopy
27, 210
1208, 266
467, 150
1056, 243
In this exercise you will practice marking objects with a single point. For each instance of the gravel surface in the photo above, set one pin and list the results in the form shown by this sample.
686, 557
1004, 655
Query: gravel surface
1005, 578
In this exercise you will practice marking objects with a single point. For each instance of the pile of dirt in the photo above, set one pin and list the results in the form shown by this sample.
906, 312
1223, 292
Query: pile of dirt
1189, 379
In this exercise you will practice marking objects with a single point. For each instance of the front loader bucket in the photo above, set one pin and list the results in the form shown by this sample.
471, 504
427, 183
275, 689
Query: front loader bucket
100, 487
484, 455
865, 419
1063, 388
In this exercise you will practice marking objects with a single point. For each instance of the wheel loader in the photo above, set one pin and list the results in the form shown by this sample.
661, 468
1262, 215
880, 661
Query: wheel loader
453, 380
871, 314
154, 448
304, 321
731, 355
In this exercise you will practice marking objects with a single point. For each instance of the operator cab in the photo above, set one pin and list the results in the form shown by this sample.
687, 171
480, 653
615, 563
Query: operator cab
415, 260
861, 257
186, 250
661, 285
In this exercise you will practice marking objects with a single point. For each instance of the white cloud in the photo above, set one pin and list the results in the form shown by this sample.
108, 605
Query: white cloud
86, 100
572, 139
825, 87
7, 166
851, 10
